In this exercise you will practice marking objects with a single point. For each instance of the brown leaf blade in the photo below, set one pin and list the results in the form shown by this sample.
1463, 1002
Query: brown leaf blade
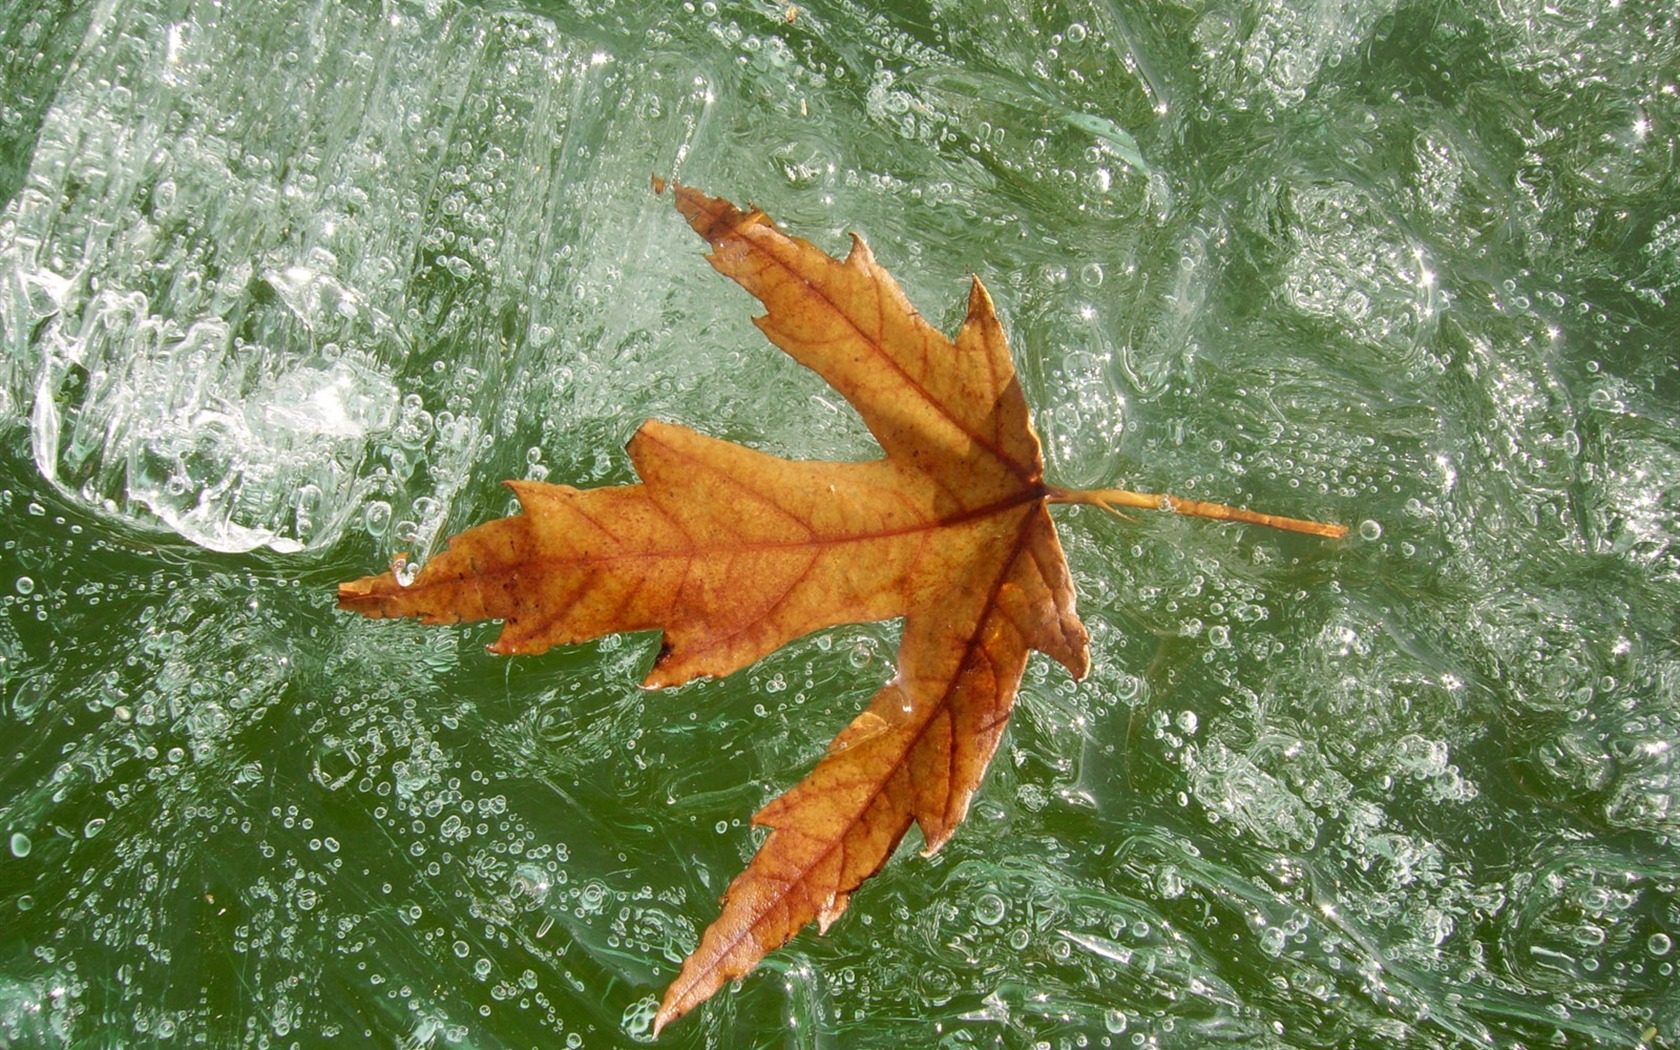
732, 553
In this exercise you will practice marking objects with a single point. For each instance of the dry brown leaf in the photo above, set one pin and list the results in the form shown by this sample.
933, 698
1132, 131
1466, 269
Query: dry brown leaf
732, 553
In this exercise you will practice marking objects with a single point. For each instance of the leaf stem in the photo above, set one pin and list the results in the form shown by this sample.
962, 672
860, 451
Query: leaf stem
1112, 500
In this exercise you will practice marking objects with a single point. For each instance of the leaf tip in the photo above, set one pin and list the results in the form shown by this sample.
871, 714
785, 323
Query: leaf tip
829, 913
979, 300
664, 1017
676, 665
683, 995
1079, 664
522, 490
860, 255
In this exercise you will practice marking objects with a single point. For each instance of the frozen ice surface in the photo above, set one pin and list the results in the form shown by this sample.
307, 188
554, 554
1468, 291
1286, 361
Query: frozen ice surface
300, 283
232, 272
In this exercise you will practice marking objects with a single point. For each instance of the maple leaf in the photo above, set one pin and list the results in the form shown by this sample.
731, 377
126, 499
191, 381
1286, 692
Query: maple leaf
732, 553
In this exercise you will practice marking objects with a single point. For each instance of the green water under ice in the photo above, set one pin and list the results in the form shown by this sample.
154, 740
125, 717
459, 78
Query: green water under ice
287, 288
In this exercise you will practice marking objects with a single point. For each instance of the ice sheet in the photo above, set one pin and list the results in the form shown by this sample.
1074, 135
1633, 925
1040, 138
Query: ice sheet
287, 289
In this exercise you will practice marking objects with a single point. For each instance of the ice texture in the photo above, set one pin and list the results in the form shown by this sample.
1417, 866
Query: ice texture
237, 269
286, 289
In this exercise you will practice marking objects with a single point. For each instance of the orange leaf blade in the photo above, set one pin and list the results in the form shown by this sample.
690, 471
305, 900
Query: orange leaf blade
732, 553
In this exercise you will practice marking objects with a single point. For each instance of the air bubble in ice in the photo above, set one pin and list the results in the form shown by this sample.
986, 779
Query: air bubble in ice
377, 518
990, 909
637, 1019
861, 653
309, 501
